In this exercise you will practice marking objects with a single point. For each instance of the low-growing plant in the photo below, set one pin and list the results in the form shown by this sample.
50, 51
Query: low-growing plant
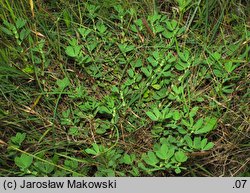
117, 95
179, 129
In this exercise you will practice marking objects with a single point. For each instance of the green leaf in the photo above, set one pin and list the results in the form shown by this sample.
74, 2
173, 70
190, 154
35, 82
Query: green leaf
229, 67
228, 89
156, 86
170, 153
156, 55
189, 141
133, 28
159, 28
218, 73
209, 125
184, 55
23, 34
96, 148
153, 18
130, 48
216, 55
152, 116
120, 10
72, 164
84, 32
125, 48
127, 159
198, 124
181, 65
131, 73
73, 131
73, 42
197, 143
66, 113
103, 128
160, 94
28, 69
209, 146
9, 26
62, 84
151, 159
177, 170
166, 67
78, 49
203, 143
138, 63
183, 4
181, 130
139, 23
171, 25
92, 9
166, 113
147, 71
70, 51
157, 112
137, 78
129, 82
104, 110
193, 111
152, 61
180, 156
94, 151
141, 165
24, 161
6, 31
20, 23
44, 167
174, 23
186, 123
135, 171
176, 115
170, 58
191, 120
177, 90
167, 34
18, 139
181, 31
101, 131
162, 152
101, 28
91, 151
67, 18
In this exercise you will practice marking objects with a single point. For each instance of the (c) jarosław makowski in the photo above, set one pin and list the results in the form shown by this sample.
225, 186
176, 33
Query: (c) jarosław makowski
109, 184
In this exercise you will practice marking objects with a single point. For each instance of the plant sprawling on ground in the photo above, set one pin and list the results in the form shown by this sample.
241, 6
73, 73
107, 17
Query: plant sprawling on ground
124, 88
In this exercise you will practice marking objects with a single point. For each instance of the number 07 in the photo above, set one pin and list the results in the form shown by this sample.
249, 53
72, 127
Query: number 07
240, 183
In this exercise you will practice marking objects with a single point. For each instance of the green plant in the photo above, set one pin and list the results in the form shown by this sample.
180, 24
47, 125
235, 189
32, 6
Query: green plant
107, 159
123, 88
18, 139
24, 162
17, 30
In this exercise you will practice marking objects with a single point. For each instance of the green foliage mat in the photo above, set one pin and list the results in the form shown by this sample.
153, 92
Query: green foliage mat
117, 96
